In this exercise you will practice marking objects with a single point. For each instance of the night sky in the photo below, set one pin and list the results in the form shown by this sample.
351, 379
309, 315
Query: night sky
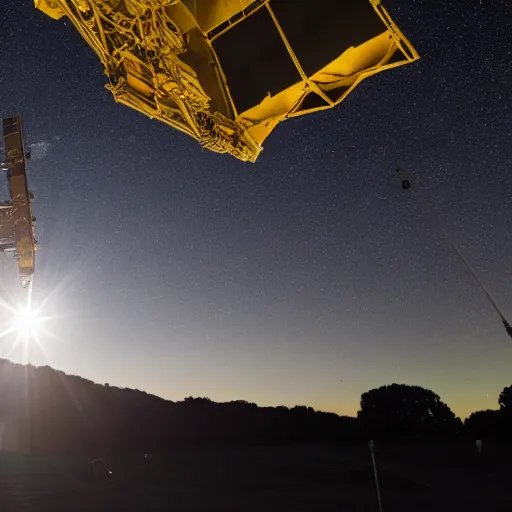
182, 272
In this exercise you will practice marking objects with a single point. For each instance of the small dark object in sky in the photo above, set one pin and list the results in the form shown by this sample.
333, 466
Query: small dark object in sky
406, 184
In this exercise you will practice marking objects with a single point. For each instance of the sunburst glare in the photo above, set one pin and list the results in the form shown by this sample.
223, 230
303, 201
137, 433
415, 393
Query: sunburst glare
27, 322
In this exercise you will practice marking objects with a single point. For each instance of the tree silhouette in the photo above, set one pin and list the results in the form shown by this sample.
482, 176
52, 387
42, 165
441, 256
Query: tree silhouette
399, 410
492, 424
505, 399
505, 403
483, 424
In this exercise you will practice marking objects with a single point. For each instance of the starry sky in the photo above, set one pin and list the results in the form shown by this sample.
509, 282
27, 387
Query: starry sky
309, 277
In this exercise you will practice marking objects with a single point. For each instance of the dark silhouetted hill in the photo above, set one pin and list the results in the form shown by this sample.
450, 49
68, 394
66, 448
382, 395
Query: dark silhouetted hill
46, 411
43, 410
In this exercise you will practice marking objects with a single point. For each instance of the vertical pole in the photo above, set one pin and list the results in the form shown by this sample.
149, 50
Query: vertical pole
371, 445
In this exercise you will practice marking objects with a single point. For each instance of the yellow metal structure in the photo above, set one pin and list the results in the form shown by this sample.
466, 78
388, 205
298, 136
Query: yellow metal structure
228, 71
16, 221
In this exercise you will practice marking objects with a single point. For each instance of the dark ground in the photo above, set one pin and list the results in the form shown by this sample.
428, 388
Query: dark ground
315, 478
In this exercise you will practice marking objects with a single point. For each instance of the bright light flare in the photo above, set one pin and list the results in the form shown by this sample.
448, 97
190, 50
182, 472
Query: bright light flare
27, 322
23, 328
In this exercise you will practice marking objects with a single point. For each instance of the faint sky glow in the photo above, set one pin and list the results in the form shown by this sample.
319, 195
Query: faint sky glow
171, 269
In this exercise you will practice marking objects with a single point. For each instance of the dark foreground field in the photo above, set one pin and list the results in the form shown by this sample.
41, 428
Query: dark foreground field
313, 478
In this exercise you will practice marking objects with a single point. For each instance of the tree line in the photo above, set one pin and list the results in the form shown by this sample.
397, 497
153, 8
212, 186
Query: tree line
43, 410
